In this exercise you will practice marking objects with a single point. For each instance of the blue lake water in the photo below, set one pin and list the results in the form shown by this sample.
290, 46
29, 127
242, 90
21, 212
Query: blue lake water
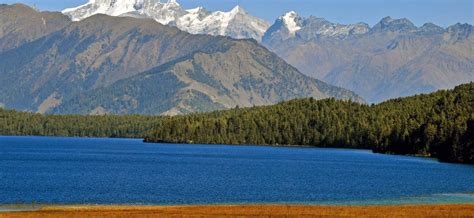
48, 170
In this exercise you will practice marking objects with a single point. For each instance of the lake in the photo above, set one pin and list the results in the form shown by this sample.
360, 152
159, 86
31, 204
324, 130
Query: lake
51, 170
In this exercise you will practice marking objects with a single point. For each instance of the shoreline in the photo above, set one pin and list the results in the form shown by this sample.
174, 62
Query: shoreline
450, 210
145, 141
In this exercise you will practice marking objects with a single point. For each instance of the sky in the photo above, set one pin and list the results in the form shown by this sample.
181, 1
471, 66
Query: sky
440, 12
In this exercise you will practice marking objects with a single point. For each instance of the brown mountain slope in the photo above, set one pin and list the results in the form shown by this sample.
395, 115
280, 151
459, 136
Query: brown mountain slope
243, 75
94, 54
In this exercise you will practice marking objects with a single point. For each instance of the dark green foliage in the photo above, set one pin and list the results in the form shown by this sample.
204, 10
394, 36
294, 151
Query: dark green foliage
439, 124
297, 122
21, 123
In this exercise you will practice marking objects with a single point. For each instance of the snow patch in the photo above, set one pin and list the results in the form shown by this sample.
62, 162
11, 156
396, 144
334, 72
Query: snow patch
290, 21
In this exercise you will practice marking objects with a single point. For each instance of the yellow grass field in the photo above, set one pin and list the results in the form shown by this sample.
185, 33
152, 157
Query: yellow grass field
454, 210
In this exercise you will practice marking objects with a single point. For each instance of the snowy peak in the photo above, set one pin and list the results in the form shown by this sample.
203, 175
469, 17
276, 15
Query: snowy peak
173, 2
194, 16
121, 7
236, 23
237, 9
291, 25
291, 21
197, 10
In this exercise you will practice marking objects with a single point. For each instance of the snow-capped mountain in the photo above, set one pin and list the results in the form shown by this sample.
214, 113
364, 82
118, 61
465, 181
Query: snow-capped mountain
291, 25
292, 22
236, 23
391, 59
165, 13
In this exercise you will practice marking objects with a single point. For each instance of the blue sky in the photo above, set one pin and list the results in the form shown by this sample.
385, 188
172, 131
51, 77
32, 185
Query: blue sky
441, 12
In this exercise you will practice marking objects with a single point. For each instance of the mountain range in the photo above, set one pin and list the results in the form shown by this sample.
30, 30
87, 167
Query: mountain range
153, 57
124, 65
393, 58
236, 23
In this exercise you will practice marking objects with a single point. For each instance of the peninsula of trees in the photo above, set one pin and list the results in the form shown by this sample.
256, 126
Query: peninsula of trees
440, 125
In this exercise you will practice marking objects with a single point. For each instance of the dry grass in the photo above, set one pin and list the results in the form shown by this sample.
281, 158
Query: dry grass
455, 210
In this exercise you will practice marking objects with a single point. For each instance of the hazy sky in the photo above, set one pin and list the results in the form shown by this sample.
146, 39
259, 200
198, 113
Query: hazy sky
441, 12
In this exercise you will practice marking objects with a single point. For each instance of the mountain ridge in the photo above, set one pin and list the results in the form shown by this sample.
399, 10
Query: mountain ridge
201, 87
236, 23
392, 59
349, 55
101, 52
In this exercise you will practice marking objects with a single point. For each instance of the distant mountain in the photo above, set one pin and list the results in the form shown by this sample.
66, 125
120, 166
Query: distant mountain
291, 25
392, 59
236, 23
124, 65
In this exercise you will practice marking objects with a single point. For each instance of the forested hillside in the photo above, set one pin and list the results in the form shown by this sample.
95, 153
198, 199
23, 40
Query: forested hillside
438, 125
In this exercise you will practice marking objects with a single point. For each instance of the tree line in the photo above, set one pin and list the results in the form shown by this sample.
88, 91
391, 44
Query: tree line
440, 125
32, 124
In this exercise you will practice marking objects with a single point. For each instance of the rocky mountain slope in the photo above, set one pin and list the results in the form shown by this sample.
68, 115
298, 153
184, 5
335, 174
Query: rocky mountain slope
392, 59
122, 65
236, 23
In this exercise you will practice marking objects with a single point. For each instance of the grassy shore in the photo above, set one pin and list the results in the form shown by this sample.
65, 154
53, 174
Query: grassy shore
452, 210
